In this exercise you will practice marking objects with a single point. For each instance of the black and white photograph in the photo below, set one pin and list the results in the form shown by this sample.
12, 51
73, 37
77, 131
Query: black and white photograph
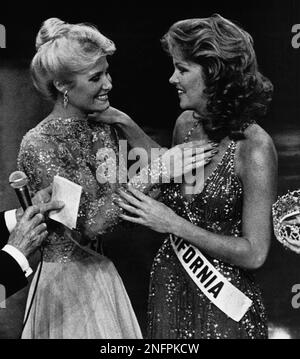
150, 173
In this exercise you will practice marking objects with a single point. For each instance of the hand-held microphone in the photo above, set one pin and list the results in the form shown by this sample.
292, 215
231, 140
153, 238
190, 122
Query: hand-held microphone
18, 181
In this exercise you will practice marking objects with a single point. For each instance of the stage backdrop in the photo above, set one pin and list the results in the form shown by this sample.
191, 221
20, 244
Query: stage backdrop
140, 72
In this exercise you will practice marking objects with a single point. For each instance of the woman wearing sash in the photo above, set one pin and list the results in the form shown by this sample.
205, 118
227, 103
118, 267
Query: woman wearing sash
228, 217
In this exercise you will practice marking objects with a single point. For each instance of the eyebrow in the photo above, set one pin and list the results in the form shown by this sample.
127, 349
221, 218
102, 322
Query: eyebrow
99, 72
179, 63
95, 74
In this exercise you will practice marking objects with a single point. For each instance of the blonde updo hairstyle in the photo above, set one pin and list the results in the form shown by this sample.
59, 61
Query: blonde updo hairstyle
64, 50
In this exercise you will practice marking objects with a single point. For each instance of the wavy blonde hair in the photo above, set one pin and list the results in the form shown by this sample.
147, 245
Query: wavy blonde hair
236, 91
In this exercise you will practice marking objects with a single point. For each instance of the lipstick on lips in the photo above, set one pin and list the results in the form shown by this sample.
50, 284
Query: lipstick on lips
179, 91
103, 97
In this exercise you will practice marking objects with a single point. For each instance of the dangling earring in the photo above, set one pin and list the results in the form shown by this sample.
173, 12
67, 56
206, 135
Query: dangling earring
66, 99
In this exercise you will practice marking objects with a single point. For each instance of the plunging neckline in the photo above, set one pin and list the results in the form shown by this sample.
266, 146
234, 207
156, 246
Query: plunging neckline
193, 197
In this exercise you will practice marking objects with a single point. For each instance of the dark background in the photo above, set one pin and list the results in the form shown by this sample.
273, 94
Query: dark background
140, 72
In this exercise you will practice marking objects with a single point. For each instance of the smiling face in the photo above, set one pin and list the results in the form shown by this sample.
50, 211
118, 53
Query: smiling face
91, 88
188, 78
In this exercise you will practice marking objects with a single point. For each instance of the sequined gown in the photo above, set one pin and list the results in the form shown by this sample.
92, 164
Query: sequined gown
79, 295
177, 308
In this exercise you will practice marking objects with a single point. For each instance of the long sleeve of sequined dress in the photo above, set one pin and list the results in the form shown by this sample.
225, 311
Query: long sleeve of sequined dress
75, 286
70, 151
83, 155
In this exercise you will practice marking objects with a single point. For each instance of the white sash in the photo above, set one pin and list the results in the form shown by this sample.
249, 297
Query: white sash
213, 284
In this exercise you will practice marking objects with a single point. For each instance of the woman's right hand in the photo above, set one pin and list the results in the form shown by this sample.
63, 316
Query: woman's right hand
183, 158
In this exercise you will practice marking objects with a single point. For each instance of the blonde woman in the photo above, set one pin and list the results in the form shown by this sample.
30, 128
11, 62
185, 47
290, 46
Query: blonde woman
79, 295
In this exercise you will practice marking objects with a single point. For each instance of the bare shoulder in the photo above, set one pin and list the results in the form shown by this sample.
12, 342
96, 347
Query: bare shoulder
256, 152
182, 126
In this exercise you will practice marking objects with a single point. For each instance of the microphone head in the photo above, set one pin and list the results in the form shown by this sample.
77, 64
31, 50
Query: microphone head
18, 179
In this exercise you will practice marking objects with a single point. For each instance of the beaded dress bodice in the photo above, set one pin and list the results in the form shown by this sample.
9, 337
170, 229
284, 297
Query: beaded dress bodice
218, 207
68, 147
177, 307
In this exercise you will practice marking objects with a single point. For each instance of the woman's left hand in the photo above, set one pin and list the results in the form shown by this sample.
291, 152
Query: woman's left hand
146, 211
